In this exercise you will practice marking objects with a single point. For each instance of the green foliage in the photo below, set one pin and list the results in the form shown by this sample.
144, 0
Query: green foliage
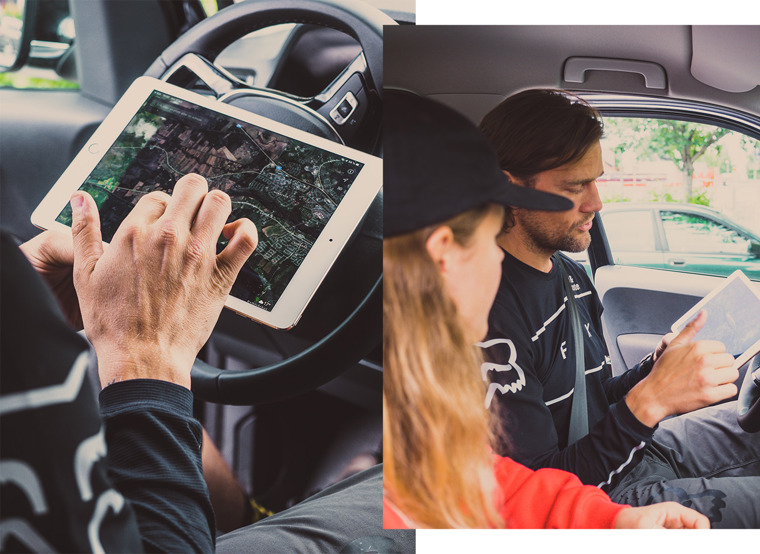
680, 142
210, 7
616, 198
700, 198
20, 81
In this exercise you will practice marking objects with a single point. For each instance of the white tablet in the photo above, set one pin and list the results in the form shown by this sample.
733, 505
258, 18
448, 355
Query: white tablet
305, 194
733, 317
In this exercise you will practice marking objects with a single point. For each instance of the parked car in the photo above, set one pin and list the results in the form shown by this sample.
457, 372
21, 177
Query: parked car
683, 237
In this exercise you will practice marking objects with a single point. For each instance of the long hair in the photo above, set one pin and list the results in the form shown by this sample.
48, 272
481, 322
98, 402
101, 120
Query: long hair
438, 469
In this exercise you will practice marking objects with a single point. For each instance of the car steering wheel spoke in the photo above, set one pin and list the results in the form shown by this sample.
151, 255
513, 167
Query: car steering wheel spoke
350, 101
192, 67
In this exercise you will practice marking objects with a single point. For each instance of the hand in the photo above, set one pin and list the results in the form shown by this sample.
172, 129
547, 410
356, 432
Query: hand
687, 376
150, 300
51, 253
667, 515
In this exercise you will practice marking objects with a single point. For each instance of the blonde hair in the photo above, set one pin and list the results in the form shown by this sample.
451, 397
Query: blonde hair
438, 469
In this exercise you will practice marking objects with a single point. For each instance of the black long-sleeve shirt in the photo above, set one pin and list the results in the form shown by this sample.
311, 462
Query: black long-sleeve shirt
530, 371
71, 480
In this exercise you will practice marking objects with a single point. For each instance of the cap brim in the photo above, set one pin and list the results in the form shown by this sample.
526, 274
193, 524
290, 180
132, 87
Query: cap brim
524, 197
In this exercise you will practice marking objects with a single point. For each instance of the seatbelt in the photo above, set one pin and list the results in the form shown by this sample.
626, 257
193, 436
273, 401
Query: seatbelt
579, 408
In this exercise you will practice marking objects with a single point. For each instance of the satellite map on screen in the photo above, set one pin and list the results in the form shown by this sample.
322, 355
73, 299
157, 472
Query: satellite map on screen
288, 188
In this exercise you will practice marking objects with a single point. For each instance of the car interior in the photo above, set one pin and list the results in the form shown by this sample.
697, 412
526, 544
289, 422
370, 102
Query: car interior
290, 409
660, 72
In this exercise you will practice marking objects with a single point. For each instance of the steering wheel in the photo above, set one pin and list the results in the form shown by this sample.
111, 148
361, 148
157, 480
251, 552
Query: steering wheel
748, 409
347, 111
359, 88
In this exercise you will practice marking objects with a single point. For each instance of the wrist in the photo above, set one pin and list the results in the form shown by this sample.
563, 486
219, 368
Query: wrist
643, 407
141, 363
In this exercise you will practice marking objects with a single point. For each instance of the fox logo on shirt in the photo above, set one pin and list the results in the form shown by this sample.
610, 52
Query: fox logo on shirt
516, 380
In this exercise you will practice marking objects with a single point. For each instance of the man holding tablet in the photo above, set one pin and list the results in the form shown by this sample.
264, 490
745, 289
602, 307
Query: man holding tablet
148, 302
549, 140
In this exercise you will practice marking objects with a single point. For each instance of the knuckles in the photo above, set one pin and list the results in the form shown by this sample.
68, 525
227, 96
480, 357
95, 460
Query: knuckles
168, 233
219, 200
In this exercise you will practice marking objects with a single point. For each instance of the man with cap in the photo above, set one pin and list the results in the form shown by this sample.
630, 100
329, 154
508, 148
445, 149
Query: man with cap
543, 359
443, 208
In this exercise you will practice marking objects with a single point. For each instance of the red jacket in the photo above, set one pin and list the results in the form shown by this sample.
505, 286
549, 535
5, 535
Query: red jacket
543, 499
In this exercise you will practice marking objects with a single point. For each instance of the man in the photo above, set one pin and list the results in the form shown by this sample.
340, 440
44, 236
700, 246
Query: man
549, 140
130, 478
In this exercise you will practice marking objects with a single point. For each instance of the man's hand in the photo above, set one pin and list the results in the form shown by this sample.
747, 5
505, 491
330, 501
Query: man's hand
687, 376
666, 515
150, 300
664, 342
51, 253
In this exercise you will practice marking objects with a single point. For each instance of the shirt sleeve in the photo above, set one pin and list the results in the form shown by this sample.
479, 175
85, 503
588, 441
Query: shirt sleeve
529, 432
617, 387
551, 499
154, 458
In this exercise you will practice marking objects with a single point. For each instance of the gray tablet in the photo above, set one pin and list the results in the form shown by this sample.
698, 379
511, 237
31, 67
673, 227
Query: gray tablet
733, 317
305, 194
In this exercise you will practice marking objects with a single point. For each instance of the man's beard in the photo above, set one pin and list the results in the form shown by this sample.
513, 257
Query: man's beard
548, 241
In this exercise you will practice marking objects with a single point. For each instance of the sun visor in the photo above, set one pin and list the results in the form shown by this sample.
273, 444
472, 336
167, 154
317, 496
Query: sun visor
726, 56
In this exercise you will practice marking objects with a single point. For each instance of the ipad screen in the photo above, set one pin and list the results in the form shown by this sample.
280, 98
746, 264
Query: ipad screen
288, 188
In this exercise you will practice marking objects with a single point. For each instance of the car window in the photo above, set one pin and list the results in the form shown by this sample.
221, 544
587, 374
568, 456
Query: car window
52, 38
619, 227
681, 196
685, 232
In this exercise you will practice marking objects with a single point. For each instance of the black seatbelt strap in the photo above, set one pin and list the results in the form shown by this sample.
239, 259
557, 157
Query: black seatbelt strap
579, 408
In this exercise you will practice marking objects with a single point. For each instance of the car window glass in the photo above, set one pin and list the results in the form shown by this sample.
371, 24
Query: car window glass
703, 181
50, 54
632, 231
687, 232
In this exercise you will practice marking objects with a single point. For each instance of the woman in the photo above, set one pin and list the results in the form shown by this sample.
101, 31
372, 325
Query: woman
443, 209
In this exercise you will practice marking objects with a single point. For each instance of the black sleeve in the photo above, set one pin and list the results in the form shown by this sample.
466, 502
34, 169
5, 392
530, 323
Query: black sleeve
617, 387
154, 459
65, 474
532, 432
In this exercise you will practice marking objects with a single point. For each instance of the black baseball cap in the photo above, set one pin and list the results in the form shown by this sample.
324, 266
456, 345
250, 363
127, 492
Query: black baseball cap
437, 164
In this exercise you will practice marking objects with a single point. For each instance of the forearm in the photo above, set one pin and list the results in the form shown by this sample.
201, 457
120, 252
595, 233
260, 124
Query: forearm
618, 387
608, 449
154, 456
551, 499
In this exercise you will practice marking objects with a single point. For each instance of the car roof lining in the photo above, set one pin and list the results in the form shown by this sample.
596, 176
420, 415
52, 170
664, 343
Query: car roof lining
472, 68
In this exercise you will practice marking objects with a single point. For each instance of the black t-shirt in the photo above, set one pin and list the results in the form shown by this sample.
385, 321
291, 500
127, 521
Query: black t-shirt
530, 371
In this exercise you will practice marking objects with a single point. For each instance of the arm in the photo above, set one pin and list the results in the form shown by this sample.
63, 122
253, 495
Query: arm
149, 301
535, 433
154, 459
551, 499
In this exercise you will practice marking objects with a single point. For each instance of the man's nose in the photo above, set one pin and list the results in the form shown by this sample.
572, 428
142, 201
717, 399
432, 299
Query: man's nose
592, 202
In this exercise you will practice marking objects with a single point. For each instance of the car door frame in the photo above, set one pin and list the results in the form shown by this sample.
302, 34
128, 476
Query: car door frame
640, 304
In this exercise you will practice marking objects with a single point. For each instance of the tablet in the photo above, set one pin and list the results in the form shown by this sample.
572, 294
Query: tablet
305, 194
733, 317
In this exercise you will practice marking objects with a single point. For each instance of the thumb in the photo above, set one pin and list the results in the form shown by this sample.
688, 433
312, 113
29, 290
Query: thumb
691, 329
85, 230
